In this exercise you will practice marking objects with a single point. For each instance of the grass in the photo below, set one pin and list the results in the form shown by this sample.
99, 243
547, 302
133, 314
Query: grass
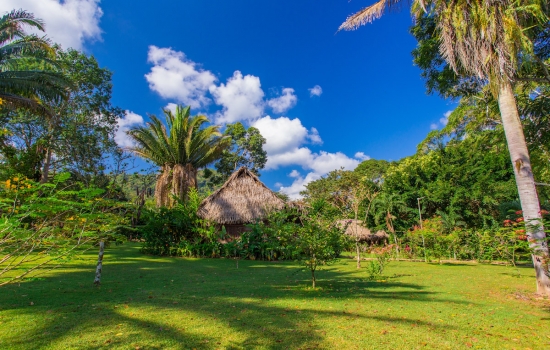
170, 303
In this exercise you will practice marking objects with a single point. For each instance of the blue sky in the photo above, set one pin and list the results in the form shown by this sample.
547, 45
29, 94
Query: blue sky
322, 99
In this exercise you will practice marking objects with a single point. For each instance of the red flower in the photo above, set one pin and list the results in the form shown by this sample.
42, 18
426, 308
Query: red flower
507, 222
519, 220
543, 212
519, 212
520, 231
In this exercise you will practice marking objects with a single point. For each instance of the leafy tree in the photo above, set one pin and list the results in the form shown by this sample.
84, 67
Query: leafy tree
488, 40
318, 241
77, 133
180, 151
21, 87
467, 176
388, 206
246, 149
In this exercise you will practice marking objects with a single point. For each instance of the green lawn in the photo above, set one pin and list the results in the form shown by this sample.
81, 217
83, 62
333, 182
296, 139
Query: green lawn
170, 303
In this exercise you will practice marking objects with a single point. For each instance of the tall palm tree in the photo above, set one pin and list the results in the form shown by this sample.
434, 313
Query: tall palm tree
487, 39
20, 85
179, 151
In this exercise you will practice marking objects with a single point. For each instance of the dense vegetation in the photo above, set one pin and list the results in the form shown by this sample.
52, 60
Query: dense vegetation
67, 184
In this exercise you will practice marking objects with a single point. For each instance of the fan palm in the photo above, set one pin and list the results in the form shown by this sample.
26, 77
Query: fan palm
21, 86
488, 39
179, 151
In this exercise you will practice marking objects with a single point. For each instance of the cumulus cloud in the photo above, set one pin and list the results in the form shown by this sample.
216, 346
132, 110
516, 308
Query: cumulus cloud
242, 98
70, 23
284, 102
281, 134
285, 140
299, 184
129, 121
173, 76
361, 156
315, 91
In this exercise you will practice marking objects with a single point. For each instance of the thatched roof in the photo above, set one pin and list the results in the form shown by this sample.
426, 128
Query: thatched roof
242, 199
354, 229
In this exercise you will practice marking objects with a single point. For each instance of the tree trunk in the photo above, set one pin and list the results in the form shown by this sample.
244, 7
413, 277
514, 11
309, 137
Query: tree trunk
525, 182
162, 193
46, 167
358, 253
97, 280
313, 278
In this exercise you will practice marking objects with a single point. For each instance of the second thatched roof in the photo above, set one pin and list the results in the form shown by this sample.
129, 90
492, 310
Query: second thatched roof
242, 199
355, 229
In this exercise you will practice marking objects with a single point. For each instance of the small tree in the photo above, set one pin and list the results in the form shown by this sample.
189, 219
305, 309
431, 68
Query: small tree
319, 242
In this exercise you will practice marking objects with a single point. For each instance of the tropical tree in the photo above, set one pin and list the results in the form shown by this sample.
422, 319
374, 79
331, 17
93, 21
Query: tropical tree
179, 151
246, 150
488, 40
386, 207
27, 75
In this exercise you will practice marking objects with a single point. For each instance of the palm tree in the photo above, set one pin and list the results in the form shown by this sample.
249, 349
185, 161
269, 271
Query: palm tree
21, 86
179, 151
488, 39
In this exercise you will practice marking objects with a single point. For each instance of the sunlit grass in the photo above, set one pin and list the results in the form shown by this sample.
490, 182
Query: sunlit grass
168, 303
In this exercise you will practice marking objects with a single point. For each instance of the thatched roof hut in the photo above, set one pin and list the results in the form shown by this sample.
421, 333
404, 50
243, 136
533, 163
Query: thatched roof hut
355, 229
243, 199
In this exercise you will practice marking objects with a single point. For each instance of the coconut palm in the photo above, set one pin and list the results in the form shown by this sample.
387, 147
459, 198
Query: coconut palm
179, 151
21, 86
488, 39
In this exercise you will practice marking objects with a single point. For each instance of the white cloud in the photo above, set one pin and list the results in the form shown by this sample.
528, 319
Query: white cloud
299, 184
315, 91
324, 162
361, 156
284, 102
126, 123
242, 98
69, 23
433, 126
173, 76
314, 137
171, 107
320, 164
294, 173
281, 134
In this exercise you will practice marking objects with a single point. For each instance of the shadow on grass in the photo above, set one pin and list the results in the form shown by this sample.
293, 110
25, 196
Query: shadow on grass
244, 300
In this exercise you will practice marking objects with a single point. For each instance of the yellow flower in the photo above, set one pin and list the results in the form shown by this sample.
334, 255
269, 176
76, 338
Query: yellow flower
83, 219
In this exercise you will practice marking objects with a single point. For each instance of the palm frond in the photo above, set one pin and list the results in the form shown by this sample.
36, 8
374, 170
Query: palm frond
367, 14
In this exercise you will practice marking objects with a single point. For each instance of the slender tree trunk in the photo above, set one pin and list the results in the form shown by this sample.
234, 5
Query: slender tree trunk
525, 182
313, 278
97, 280
358, 253
46, 167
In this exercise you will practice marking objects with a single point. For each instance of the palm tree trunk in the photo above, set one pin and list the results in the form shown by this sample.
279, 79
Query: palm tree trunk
190, 179
525, 182
162, 193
